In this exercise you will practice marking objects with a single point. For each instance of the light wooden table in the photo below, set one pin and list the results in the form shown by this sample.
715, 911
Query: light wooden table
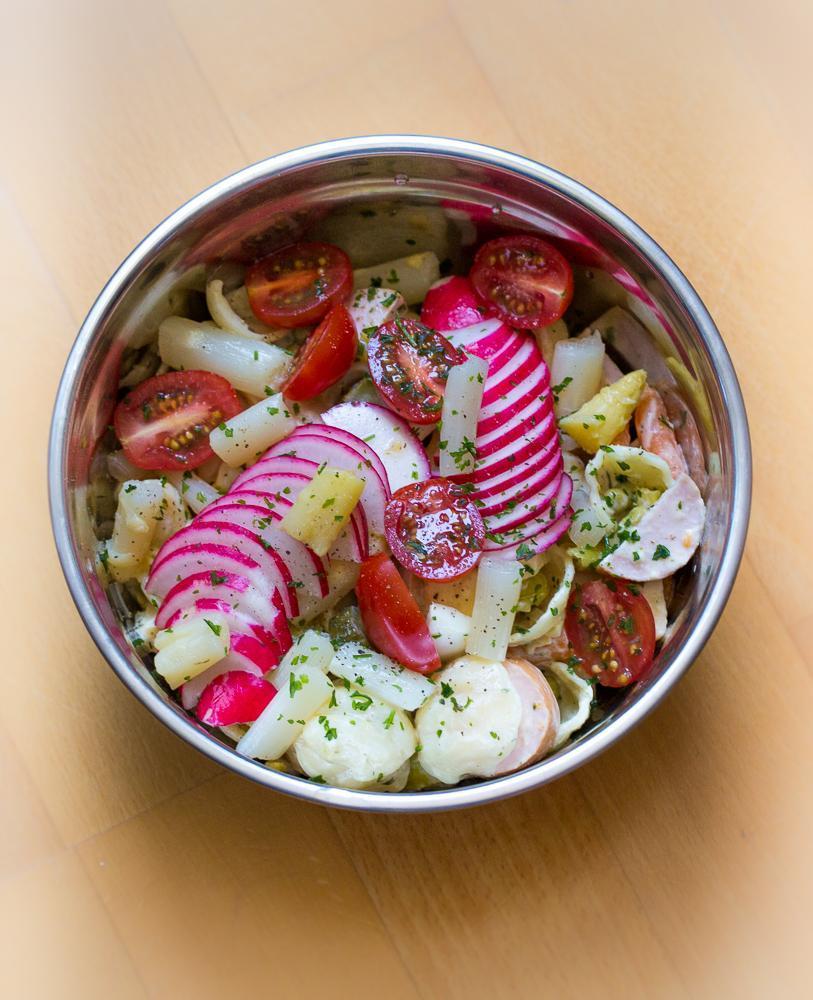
678, 864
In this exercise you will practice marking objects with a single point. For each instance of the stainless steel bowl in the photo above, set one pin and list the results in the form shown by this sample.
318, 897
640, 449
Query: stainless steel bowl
294, 193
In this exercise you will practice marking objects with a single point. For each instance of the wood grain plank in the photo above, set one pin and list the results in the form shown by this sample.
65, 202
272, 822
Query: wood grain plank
238, 885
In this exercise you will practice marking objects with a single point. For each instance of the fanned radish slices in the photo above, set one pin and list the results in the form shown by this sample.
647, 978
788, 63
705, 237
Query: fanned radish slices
342, 450
202, 543
388, 435
235, 589
536, 480
527, 425
307, 572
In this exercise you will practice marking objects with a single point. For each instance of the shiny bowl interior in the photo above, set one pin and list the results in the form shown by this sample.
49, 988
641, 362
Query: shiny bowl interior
480, 191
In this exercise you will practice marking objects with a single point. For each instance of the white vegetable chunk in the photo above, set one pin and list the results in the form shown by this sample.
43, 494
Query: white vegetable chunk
249, 364
358, 741
378, 675
191, 647
574, 695
499, 582
449, 628
577, 371
370, 307
243, 438
667, 536
312, 648
462, 400
412, 276
283, 719
471, 723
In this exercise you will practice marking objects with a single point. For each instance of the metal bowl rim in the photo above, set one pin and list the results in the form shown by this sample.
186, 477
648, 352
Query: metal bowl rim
467, 795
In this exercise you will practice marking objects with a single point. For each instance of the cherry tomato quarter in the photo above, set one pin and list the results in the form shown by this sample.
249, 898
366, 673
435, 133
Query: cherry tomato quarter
325, 356
611, 631
392, 620
297, 284
164, 422
409, 364
525, 279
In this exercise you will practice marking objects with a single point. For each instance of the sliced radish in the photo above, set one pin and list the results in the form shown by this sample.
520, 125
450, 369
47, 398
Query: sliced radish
533, 483
451, 304
535, 544
307, 571
527, 359
329, 445
514, 517
389, 436
285, 488
235, 697
536, 423
204, 539
535, 387
555, 511
235, 589
537, 439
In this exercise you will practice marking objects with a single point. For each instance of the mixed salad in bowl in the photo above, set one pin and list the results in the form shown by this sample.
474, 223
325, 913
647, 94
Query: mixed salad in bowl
394, 530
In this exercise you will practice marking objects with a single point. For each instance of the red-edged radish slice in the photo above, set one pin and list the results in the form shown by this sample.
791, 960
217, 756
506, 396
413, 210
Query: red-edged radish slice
248, 508
512, 474
489, 339
210, 534
233, 698
530, 509
537, 535
235, 589
535, 387
389, 436
528, 359
330, 447
535, 440
519, 429
539, 721
509, 499
451, 304
351, 544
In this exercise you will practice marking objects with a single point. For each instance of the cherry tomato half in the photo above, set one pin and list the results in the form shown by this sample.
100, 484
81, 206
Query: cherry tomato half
526, 279
434, 529
297, 284
409, 364
324, 357
391, 618
164, 423
611, 631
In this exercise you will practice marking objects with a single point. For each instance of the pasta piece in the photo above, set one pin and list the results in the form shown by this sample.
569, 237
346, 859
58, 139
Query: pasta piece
148, 512
250, 365
575, 697
559, 572
599, 421
242, 439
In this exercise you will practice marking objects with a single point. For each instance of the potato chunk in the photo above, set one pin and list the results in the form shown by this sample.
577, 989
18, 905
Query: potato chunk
601, 419
321, 511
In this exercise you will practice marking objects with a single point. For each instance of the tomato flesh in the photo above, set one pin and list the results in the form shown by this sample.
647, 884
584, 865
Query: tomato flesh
325, 356
525, 279
392, 620
434, 529
164, 423
409, 364
611, 630
296, 285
